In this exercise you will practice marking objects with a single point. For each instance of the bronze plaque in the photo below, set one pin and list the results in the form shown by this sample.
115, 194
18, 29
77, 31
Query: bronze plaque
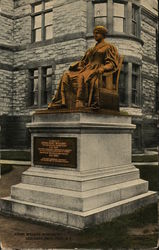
55, 151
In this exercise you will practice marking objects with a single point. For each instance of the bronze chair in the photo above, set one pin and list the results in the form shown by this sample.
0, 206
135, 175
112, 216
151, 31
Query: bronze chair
108, 89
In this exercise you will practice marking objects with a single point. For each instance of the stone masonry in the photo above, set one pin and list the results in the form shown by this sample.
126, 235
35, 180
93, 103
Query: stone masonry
70, 40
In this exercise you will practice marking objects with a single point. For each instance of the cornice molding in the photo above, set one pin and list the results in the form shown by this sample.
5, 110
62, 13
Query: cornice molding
149, 14
121, 35
55, 40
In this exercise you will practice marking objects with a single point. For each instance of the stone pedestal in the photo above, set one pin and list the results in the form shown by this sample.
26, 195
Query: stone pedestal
96, 181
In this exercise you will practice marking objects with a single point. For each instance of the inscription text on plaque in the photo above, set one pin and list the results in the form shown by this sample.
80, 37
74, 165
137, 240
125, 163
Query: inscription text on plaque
55, 151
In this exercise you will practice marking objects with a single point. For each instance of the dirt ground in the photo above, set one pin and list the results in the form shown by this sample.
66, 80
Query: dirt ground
16, 233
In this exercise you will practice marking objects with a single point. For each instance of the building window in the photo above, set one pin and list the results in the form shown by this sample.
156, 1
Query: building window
135, 20
40, 87
33, 87
100, 14
135, 84
119, 17
129, 85
122, 84
42, 21
46, 84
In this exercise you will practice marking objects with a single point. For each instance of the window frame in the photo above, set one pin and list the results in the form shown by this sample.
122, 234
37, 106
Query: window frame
37, 95
33, 93
127, 27
106, 17
135, 8
41, 13
46, 89
120, 17
128, 85
124, 71
137, 74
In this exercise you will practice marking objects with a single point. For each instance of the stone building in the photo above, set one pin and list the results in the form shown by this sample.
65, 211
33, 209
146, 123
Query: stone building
38, 41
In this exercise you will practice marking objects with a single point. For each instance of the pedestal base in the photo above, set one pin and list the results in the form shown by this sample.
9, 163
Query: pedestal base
103, 185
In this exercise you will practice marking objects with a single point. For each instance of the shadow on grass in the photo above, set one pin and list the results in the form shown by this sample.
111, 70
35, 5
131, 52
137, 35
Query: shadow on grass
115, 234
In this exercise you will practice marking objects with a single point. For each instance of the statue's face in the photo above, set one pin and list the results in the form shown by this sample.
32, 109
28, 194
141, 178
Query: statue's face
98, 36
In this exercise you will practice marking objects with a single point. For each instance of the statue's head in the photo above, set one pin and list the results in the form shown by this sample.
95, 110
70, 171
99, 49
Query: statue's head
101, 30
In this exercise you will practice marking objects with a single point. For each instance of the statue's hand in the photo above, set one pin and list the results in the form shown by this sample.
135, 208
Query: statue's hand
76, 66
100, 70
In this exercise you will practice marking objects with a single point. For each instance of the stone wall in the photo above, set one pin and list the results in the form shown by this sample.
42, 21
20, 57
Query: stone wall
6, 21
70, 40
6, 56
6, 91
149, 79
66, 23
68, 45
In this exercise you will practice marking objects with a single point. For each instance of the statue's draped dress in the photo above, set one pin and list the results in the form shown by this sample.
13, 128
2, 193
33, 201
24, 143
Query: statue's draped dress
82, 76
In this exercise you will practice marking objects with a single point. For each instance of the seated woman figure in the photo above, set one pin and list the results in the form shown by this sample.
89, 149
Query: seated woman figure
86, 73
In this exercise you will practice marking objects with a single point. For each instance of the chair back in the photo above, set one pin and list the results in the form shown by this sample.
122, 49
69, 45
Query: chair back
112, 79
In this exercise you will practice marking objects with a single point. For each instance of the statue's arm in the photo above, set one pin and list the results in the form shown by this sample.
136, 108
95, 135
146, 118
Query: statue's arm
80, 64
111, 59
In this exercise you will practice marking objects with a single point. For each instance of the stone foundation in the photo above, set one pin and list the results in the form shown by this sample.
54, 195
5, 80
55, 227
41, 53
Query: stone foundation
103, 185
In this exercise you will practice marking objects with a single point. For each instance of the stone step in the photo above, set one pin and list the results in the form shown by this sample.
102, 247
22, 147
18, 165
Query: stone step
78, 201
78, 183
74, 174
53, 215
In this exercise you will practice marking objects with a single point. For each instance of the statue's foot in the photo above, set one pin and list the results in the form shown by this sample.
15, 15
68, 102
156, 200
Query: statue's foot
79, 104
95, 106
56, 105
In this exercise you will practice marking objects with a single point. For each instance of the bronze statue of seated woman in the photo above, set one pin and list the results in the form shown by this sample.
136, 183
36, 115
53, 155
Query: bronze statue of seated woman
93, 81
